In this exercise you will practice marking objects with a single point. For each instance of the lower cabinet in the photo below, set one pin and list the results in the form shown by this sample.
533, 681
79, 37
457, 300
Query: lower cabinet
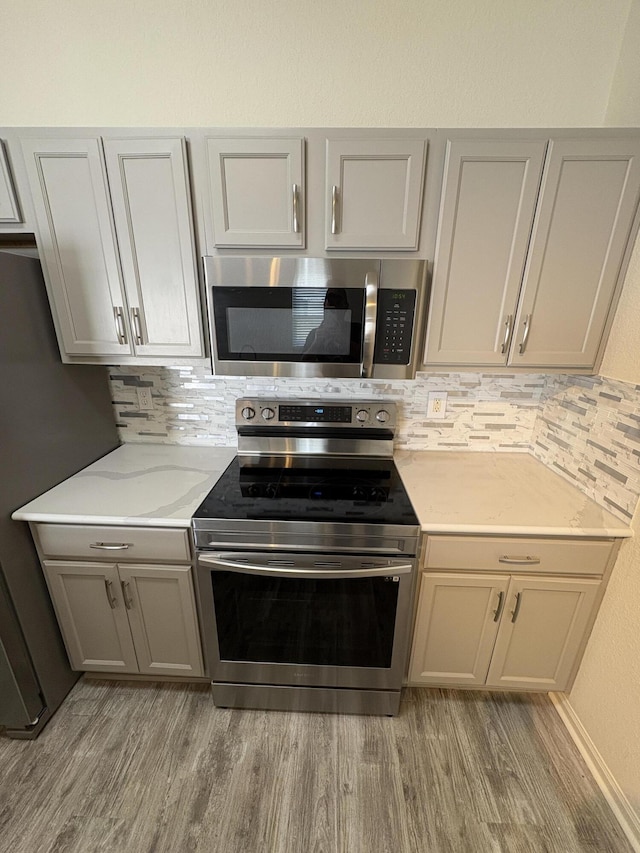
126, 618
514, 631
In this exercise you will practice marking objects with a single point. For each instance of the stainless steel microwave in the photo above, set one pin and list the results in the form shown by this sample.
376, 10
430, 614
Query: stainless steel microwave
311, 317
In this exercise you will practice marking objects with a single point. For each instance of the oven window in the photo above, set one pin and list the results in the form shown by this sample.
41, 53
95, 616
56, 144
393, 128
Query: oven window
293, 620
289, 324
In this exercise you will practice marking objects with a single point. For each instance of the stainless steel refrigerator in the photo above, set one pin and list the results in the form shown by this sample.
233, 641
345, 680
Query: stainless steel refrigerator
54, 420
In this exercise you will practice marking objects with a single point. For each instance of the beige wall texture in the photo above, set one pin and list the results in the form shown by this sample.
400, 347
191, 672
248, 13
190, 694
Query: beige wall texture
391, 63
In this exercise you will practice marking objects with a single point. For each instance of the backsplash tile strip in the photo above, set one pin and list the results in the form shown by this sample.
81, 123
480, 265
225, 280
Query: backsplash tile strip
585, 428
597, 456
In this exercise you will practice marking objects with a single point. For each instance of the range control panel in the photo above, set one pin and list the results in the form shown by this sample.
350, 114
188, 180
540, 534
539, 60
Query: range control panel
394, 326
315, 414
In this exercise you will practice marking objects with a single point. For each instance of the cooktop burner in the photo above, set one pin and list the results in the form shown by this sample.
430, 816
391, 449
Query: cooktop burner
368, 491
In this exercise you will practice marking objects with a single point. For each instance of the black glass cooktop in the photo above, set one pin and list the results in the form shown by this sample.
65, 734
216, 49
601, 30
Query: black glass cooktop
368, 491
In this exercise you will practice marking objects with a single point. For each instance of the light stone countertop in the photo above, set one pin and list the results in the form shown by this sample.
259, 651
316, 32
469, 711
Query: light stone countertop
499, 493
161, 485
158, 485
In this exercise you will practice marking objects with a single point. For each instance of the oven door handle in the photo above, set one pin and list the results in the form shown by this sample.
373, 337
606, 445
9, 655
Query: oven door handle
301, 572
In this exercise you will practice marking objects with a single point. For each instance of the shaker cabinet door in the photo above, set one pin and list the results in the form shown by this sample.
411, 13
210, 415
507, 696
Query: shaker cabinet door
256, 187
541, 632
487, 208
162, 613
9, 208
373, 193
91, 612
152, 212
78, 245
456, 626
589, 195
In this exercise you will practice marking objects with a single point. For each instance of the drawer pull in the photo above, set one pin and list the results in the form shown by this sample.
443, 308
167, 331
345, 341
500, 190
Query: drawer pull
520, 561
128, 603
110, 597
110, 546
498, 611
516, 609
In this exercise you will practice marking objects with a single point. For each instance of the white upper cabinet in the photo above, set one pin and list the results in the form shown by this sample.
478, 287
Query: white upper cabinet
587, 204
77, 244
9, 208
118, 252
523, 276
488, 203
256, 187
152, 213
373, 193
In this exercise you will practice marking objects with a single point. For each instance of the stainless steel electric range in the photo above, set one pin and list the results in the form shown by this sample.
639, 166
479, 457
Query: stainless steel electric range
306, 551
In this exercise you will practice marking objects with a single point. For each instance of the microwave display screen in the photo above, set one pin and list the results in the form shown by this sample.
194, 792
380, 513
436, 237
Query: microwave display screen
289, 324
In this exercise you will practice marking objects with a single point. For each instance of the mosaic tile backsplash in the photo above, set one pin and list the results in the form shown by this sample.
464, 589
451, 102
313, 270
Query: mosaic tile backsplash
586, 429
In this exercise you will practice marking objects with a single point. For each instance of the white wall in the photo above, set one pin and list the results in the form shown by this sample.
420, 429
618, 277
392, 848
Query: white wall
303, 62
624, 100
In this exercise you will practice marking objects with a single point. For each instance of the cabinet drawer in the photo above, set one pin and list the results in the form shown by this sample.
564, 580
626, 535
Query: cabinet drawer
556, 556
113, 543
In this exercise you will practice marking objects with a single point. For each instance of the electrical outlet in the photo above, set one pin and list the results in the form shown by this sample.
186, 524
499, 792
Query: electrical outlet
145, 400
437, 404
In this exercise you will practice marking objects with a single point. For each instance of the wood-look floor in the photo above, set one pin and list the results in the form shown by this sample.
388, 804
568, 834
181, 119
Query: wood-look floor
149, 768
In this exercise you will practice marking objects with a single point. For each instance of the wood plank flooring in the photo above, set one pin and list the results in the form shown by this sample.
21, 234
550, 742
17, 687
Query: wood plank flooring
156, 768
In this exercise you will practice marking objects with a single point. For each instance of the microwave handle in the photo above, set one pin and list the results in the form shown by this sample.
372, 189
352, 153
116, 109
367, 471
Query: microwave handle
370, 310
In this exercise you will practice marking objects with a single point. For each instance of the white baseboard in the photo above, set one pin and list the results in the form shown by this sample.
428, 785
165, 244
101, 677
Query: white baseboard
613, 793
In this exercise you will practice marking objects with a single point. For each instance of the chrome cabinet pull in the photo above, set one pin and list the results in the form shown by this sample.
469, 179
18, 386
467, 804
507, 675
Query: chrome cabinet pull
110, 546
527, 329
370, 311
137, 325
110, 597
520, 561
334, 209
516, 609
507, 333
121, 331
498, 611
296, 218
128, 603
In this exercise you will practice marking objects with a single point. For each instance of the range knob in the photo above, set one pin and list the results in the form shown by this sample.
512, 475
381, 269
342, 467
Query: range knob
362, 415
383, 416
268, 414
248, 413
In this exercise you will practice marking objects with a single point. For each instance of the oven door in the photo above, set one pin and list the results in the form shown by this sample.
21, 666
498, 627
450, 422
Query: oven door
292, 316
313, 620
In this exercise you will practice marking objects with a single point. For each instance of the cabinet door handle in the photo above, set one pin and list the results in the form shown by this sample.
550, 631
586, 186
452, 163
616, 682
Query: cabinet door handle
334, 209
121, 331
110, 596
507, 333
296, 217
137, 325
497, 613
110, 546
520, 561
527, 329
516, 609
128, 602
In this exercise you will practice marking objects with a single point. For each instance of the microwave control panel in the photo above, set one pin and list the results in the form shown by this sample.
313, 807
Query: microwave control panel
394, 326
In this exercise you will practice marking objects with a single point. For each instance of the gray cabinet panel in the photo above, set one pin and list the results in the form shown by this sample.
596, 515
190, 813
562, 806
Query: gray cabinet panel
257, 191
152, 212
9, 208
488, 203
373, 193
77, 242
588, 200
